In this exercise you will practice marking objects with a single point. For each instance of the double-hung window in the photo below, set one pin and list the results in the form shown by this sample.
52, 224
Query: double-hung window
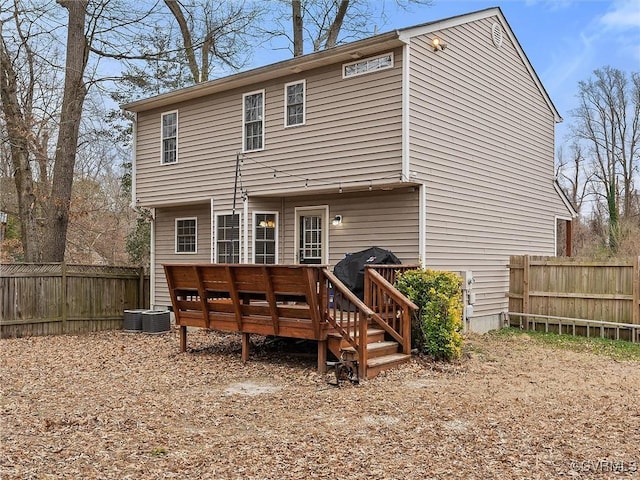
169, 136
228, 238
186, 235
294, 95
264, 238
253, 121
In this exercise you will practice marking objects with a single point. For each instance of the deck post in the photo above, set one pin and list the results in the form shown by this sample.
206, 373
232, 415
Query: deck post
183, 338
245, 347
322, 356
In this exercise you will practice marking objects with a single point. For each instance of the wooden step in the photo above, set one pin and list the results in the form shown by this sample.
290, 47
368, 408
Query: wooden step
380, 364
337, 344
376, 349
373, 335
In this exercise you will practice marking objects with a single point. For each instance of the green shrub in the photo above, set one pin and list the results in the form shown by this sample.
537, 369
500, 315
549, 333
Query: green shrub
437, 326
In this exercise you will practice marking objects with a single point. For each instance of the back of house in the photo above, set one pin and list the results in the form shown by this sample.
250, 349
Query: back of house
441, 153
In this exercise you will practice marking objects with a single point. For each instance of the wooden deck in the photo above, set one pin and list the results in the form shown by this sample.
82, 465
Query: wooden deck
297, 301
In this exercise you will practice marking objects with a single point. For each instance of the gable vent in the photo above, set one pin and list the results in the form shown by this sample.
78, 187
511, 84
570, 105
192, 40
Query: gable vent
496, 34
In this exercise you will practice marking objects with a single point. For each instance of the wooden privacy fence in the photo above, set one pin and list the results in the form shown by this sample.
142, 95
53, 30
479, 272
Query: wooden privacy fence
56, 298
583, 297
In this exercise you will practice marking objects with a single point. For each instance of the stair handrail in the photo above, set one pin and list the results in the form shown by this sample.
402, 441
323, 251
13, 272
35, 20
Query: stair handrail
359, 318
377, 287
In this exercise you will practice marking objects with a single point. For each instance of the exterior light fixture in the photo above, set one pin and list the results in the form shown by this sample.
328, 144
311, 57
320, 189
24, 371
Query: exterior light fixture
438, 44
337, 220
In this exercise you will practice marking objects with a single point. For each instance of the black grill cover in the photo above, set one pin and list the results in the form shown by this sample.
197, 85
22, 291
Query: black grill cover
350, 270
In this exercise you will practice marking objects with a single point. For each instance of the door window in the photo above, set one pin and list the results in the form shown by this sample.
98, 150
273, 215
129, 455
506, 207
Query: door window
311, 239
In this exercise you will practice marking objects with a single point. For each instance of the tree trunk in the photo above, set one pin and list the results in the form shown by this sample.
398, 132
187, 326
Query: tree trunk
57, 219
17, 136
189, 50
298, 39
334, 30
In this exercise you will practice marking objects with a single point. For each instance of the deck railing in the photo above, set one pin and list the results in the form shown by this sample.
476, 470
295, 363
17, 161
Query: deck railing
392, 310
390, 272
299, 301
347, 314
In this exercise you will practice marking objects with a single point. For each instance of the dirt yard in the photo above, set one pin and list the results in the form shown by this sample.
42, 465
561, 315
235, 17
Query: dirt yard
129, 406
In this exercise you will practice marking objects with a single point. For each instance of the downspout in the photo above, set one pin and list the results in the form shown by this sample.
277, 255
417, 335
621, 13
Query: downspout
406, 103
281, 230
134, 200
212, 233
233, 209
245, 255
406, 148
152, 274
422, 224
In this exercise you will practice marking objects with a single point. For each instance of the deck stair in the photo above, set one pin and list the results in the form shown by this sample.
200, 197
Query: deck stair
382, 354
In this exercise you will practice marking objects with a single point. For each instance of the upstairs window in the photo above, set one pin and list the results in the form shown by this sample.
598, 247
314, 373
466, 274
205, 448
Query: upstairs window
264, 240
186, 235
367, 65
228, 238
294, 103
253, 121
169, 138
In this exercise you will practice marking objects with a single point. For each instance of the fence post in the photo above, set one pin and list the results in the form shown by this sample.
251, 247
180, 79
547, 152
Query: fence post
525, 288
635, 315
63, 293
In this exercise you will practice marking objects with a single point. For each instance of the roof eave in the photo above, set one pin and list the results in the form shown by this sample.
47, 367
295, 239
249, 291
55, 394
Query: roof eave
342, 53
563, 196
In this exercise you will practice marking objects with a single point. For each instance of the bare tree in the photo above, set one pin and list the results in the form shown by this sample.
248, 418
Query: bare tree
574, 177
43, 104
26, 129
327, 23
213, 32
607, 121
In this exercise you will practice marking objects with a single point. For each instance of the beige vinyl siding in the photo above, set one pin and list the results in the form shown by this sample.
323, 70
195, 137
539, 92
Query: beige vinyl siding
378, 218
387, 219
165, 244
482, 140
352, 131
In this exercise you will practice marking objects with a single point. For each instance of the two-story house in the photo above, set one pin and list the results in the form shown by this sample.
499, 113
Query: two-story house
435, 142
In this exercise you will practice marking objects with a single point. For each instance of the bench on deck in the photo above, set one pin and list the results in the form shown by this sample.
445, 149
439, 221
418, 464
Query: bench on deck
280, 300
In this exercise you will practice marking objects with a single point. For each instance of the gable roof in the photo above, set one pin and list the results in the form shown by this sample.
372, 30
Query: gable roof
342, 53
565, 199
431, 27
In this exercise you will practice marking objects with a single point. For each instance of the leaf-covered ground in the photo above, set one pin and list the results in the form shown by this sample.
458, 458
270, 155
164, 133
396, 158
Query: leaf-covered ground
129, 406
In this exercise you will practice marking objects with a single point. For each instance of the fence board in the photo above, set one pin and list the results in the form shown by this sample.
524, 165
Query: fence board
602, 291
46, 299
